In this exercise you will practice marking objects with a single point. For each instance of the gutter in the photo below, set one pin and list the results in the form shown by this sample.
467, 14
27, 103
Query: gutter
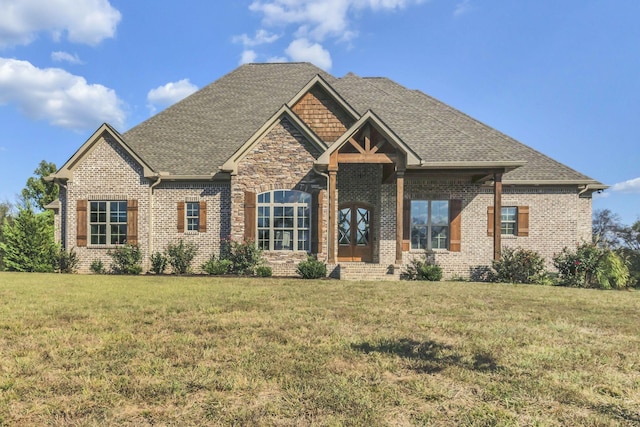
150, 236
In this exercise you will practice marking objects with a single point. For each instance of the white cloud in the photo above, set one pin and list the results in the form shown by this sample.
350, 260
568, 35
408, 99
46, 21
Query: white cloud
261, 37
53, 94
277, 59
59, 56
463, 7
301, 50
248, 56
319, 19
629, 186
83, 21
170, 93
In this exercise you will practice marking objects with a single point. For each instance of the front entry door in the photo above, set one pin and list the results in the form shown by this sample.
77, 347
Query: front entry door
354, 233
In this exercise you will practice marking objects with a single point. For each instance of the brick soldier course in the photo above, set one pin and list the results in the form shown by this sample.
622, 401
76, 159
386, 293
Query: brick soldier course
370, 168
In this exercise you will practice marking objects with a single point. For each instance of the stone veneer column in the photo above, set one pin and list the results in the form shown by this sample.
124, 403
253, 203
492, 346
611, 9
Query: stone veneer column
332, 216
497, 216
399, 215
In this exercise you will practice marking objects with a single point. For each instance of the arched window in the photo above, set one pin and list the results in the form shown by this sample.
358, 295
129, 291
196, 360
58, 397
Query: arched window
284, 220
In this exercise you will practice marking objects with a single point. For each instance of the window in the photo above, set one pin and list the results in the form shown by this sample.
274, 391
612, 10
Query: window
509, 220
108, 222
193, 216
284, 218
429, 224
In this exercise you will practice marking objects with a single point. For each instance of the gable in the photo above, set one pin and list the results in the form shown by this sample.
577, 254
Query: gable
323, 114
86, 153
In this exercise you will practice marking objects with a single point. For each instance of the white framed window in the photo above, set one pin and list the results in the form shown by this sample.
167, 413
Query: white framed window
284, 220
509, 220
108, 222
429, 224
192, 212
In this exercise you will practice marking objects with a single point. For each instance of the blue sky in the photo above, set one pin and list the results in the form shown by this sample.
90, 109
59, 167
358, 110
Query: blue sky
560, 76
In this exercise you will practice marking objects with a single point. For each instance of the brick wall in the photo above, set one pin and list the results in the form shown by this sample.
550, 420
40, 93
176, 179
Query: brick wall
165, 217
106, 172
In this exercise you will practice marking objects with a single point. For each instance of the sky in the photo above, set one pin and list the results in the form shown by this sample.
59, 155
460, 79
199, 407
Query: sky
560, 76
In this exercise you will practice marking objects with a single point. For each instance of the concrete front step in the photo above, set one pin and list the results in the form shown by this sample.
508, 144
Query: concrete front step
364, 271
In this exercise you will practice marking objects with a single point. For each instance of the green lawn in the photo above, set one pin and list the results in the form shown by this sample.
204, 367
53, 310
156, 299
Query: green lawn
109, 350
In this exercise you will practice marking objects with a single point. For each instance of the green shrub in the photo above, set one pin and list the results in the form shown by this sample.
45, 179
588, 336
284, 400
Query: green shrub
423, 268
591, 266
158, 262
245, 256
217, 267
67, 261
264, 271
520, 266
180, 256
97, 266
126, 259
312, 268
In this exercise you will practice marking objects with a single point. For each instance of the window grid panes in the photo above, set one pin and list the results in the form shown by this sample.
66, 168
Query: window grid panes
429, 224
193, 216
509, 220
108, 222
284, 219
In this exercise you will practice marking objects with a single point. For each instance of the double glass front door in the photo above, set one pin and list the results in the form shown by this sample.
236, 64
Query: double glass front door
354, 233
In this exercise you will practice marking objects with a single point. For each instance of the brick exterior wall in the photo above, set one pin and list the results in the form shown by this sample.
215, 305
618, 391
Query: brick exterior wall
106, 172
282, 160
165, 217
323, 114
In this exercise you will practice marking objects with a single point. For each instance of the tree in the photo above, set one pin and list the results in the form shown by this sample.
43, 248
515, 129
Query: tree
605, 227
28, 243
5, 215
39, 192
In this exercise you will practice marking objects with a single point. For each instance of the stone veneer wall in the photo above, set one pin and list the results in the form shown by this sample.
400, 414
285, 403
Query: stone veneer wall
282, 160
107, 172
165, 217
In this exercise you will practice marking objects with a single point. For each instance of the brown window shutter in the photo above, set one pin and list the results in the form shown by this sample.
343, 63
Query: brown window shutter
406, 225
180, 217
249, 216
523, 221
316, 232
490, 211
202, 221
81, 223
132, 222
455, 224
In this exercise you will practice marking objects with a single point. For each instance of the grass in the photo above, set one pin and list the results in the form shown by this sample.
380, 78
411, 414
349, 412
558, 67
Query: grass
108, 350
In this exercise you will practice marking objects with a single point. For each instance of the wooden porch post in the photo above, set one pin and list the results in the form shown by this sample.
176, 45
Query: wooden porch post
399, 214
497, 215
333, 206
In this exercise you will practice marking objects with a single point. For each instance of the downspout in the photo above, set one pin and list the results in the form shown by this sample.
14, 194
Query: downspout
326, 176
63, 236
150, 235
584, 190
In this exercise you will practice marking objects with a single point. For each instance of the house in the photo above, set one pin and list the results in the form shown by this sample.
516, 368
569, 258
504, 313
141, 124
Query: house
363, 173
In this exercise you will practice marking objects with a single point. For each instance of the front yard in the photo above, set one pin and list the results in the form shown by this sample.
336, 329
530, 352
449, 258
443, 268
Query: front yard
116, 350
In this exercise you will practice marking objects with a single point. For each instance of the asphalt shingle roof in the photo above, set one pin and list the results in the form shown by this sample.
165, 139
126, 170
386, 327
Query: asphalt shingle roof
197, 135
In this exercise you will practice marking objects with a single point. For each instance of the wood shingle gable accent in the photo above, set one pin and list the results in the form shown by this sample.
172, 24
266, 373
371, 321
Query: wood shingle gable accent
323, 114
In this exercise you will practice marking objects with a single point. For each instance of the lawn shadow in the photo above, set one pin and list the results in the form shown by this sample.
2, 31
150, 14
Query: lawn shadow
429, 356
